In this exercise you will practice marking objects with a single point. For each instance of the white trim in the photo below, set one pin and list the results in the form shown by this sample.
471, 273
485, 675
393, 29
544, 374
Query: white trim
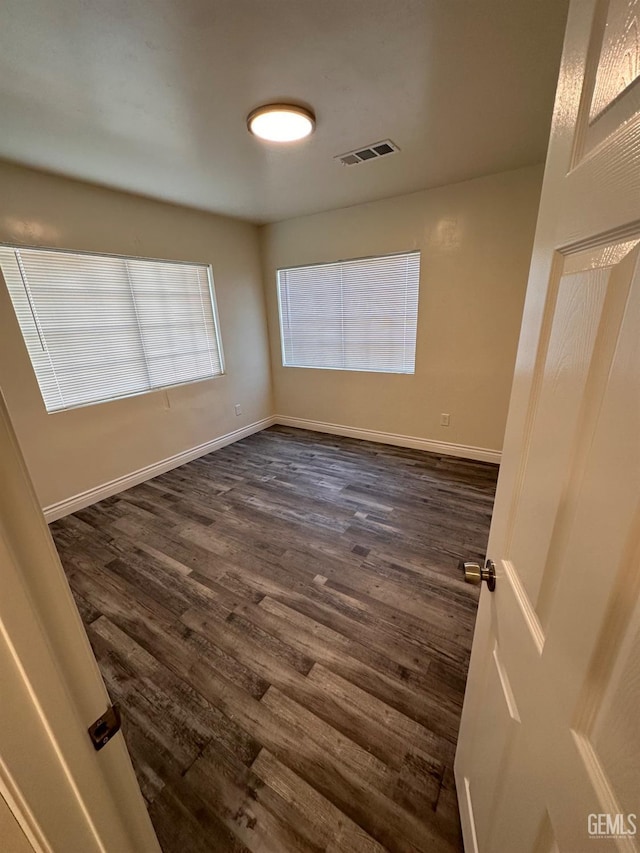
467, 820
120, 484
20, 810
482, 454
98, 493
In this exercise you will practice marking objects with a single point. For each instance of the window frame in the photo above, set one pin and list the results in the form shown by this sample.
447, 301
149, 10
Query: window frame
333, 263
159, 388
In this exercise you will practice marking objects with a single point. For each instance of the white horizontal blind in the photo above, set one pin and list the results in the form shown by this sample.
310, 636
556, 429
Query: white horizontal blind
351, 315
99, 327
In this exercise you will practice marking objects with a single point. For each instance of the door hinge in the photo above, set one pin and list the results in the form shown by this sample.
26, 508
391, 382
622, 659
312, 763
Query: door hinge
105, 727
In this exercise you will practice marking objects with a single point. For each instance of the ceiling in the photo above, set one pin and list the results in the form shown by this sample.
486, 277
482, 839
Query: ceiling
151, 96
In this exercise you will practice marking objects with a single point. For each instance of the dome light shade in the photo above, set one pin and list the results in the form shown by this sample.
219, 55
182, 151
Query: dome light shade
281, 122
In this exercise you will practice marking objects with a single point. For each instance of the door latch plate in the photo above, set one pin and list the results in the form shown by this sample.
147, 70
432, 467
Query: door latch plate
105, 727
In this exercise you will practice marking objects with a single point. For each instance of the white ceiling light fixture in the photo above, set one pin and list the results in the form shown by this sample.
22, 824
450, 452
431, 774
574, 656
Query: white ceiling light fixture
281, 122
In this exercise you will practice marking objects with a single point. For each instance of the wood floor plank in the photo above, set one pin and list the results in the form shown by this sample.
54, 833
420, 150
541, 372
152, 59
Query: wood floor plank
317, 642
285, 629
337, 832
155, 629
409, 643
332, 650
310, 556
321, 766
364, 721
182, 824
167, 709
362, 763
255, 813
419, 782
391, 730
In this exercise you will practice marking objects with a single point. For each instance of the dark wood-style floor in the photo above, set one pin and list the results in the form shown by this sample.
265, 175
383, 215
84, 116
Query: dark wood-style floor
286, 630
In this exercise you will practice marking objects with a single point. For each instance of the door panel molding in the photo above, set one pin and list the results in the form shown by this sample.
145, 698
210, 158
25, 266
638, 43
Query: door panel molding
52, 691
562, 628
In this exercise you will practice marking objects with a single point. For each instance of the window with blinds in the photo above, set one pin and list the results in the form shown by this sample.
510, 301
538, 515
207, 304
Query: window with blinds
351, 315
99, 327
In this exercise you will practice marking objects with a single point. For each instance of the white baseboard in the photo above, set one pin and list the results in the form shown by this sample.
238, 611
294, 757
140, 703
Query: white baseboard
91, 496
481, 454
98, 493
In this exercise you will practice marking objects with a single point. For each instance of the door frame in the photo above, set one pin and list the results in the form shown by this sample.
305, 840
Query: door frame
64, 794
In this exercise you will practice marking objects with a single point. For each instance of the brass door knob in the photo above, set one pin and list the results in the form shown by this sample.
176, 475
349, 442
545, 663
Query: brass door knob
475, 573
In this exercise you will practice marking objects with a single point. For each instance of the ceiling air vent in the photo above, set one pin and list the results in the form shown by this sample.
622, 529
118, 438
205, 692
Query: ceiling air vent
371, 152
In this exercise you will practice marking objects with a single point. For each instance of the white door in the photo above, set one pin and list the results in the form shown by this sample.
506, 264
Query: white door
549, 750
65, 796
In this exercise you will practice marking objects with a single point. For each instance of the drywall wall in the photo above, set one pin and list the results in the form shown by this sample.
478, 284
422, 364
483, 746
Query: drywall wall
74, 451
475, 240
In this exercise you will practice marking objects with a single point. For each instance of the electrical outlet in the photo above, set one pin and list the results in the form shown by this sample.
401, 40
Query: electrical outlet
238, 409
444, 419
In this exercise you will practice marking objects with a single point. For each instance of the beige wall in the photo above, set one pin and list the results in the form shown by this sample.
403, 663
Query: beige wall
475, 240
71, 452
